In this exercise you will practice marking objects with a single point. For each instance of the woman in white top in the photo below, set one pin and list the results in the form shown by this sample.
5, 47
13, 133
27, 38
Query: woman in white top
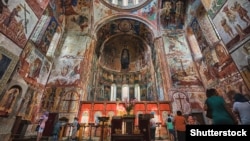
241, 107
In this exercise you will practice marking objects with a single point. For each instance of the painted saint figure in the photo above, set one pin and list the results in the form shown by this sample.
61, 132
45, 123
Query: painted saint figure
9, 98
12, 16
35, 68
125, 59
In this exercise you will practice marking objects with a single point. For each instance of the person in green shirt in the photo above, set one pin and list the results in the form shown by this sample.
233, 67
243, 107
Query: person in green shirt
170, 127
221, 114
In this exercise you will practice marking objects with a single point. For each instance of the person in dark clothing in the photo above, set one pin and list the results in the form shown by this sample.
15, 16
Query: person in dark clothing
56, 130
152, 128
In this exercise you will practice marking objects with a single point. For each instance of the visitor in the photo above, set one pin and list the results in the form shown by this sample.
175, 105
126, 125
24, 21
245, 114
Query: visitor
42, 122
196, 122
74, 130
170, 127
56, 130
152, 128
241, 107
180, 126
220, 113
191, 120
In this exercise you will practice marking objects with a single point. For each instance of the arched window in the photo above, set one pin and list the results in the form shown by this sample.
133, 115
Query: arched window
126, 5
113, 92
137, 92
125, 92
70, 102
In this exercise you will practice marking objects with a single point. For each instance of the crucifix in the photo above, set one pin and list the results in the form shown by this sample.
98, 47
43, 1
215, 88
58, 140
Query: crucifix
25, 16
180, 98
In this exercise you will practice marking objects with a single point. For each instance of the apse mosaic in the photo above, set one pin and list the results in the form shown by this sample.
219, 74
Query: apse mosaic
124, 26
124, 52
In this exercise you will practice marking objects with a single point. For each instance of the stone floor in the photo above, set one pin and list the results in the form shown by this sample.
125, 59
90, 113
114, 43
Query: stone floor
96, 138
162, 138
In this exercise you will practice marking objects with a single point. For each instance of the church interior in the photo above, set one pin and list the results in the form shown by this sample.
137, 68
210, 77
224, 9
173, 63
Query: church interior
92, 59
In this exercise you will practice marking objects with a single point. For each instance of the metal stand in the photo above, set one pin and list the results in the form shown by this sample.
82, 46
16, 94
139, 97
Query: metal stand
96, 127
102, 120
83, 133
69, 132
90, 131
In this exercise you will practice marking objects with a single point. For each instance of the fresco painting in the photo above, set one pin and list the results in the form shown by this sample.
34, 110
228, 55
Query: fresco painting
43, 44
17, 21
180, 61
232, 22
213, 6
8, 62
34, 67
63, 74
9, 52
199, 35
149, 12
204, 20
38, 6
78, 18
172, 14
101, 12
242, 58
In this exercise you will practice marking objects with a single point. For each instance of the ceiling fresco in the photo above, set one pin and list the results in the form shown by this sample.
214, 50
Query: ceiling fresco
173, 14
77, 16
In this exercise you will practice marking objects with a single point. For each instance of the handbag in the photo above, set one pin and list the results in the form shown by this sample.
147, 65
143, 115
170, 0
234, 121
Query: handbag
231, 114
209, 113
37, 127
